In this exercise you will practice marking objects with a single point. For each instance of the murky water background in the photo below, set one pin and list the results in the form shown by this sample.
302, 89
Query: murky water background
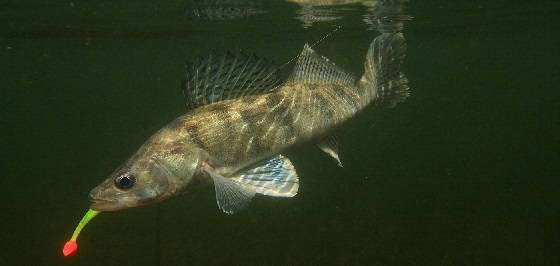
465, 172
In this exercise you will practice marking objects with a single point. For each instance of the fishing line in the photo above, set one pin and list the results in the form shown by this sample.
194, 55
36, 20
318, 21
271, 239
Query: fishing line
315, 43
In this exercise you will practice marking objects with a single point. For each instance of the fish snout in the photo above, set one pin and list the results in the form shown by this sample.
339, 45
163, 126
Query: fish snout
101, 193
104, 198
95, 197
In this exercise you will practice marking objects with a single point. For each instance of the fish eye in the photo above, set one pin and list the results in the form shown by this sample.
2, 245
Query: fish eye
125, 181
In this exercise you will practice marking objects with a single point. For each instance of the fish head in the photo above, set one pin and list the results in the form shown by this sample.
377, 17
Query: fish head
147, 178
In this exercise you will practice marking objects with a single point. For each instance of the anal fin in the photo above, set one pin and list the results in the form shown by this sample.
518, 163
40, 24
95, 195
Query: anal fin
329, 145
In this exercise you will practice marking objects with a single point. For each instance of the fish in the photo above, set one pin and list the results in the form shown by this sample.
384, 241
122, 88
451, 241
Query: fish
241, 116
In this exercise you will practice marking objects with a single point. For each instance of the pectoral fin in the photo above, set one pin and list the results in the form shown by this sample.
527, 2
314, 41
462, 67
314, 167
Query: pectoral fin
231, 196
275, 177
329, 145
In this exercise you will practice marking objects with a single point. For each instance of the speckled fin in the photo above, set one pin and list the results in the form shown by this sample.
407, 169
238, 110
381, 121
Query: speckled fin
313, 68
382, 69
230, 195
329, 145
275, 177
217, 78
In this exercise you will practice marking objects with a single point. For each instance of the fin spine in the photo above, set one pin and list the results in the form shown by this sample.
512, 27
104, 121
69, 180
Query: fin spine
217, 78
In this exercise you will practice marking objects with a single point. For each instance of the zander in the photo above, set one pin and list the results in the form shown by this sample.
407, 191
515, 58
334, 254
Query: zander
240, 117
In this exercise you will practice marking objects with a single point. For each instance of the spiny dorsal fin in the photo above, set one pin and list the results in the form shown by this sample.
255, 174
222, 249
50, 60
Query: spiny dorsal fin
217, 78
313, 68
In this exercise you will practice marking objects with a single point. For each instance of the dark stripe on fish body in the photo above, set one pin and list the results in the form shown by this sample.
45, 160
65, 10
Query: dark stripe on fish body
225, 121
311, 86
257, 147
279, 109
288, 131
273, 99
285, 119
248, 100
345, 94
251, 127
219, 107
194, 134
326, 109
247, 114
339, 92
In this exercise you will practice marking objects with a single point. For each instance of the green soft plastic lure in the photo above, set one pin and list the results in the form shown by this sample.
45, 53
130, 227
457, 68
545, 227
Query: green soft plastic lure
71, 246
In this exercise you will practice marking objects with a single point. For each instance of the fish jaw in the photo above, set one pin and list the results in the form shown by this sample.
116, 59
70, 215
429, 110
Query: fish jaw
105, 206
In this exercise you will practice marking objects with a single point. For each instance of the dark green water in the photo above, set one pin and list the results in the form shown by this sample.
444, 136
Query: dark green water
465, 172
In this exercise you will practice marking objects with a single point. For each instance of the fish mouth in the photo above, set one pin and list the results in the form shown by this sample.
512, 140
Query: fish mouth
99, 204
107, 205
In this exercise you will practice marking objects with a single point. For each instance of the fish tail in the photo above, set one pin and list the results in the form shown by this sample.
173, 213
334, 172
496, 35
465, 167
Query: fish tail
383, 81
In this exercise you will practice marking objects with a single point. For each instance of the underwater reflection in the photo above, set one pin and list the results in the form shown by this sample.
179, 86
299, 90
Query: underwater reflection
386, 16
223, 9
382, 15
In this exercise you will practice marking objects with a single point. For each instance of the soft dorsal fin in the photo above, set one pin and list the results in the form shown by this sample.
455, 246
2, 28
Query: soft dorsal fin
313, 68
217, 78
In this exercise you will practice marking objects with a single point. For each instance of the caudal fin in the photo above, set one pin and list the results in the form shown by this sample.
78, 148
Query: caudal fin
383, 78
